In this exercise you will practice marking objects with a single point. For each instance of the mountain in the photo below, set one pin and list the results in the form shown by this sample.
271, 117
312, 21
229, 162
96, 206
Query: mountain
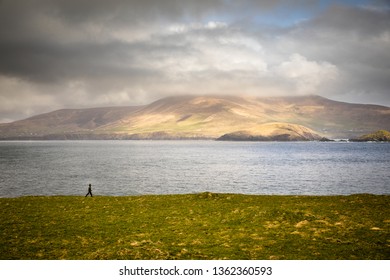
195, 117
65, 122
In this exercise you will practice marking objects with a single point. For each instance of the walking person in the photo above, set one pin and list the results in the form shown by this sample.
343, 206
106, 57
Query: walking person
89, 190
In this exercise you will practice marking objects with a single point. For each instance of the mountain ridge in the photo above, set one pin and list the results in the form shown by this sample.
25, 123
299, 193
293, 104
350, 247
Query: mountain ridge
205, 117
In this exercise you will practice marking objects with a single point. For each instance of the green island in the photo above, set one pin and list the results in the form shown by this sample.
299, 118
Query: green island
196, 226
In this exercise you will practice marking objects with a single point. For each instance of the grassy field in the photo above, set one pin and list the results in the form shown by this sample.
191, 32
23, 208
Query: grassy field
196, 226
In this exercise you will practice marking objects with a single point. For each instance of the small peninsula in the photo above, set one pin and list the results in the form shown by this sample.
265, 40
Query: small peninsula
378, 136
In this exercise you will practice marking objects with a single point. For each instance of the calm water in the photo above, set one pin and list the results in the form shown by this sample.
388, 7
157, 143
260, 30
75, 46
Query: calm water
170, 167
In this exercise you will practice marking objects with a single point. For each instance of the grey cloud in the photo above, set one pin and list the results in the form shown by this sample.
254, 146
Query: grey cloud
66, 39
357, 40
353, 21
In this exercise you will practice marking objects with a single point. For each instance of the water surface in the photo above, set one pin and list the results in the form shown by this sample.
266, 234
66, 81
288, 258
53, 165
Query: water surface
171, 167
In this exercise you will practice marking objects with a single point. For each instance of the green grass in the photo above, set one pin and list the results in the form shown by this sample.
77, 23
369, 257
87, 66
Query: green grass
196, 226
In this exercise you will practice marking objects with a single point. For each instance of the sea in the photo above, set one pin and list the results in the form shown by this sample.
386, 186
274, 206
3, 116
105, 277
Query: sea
124, 168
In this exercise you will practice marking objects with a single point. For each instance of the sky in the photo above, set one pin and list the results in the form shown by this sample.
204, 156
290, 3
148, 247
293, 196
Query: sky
58, 54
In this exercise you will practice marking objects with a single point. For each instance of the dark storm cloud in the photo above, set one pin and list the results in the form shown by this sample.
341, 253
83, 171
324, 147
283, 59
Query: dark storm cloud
68, 39
48, 63
64, 38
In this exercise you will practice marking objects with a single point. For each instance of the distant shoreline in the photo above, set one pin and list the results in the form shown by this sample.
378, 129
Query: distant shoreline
187, 139
200, 193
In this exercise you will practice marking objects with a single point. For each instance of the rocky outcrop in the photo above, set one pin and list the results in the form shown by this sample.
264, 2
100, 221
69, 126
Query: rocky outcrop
274, 132
378, 136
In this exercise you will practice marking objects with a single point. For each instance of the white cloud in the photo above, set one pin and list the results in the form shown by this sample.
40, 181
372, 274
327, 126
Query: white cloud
307, 76
215, 25
210, 48
195, 26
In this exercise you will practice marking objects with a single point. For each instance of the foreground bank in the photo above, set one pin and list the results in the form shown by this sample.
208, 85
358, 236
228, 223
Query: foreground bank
196, 226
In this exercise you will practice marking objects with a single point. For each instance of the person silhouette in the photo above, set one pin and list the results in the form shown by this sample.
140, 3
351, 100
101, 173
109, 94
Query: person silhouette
89, 190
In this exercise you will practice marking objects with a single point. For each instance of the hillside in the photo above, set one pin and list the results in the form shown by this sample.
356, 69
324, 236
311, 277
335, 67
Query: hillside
194, 117
378, 136
273, 132
64, 122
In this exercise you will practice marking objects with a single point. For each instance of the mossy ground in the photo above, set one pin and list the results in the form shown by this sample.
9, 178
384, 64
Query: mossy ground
196, 226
